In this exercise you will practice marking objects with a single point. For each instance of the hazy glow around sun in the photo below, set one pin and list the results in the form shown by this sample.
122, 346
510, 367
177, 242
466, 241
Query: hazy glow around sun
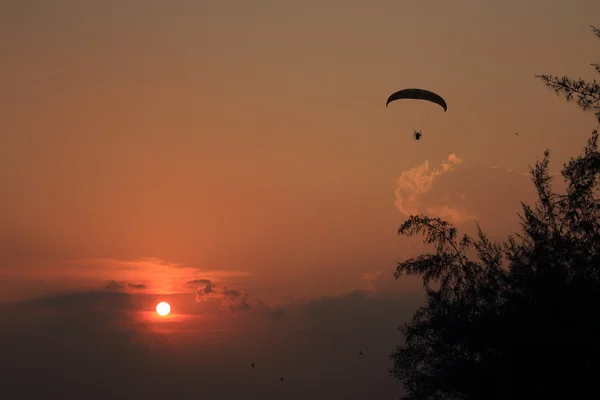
163, 308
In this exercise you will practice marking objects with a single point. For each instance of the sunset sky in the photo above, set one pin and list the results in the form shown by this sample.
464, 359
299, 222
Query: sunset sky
236, 159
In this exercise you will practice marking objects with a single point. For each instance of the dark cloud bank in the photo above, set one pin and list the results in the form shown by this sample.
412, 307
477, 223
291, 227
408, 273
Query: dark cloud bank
99, 346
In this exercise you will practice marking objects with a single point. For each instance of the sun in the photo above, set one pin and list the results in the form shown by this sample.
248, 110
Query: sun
163, 308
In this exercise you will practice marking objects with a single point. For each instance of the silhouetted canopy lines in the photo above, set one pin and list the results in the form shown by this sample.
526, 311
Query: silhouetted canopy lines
418, 94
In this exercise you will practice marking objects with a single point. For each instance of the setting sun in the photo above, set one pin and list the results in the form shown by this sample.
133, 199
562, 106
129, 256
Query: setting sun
163, 308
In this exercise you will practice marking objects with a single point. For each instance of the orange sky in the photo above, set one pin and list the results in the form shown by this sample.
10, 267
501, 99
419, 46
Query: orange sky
221, 135
253, 137
149, 147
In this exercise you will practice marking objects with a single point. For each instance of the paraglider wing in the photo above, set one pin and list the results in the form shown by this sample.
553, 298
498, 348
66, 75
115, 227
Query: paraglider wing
418, 94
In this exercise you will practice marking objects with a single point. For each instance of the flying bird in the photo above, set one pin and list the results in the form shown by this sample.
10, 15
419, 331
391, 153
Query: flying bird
281, 379
517, 133
360, 353
252, 365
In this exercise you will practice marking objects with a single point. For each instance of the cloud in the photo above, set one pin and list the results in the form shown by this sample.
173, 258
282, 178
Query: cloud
416, 182
199, 282
277, 313
119, 286
111, 345
137, 286
205, 291
231, 294
232, 299
460, 193
384, 282
274, 314
242, 305
114, 285
361, 321
74, 344
160, 276
371, 278
72, 301
55, 275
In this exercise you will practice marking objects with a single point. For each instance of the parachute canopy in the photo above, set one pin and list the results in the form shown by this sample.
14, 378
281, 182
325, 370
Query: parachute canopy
418, 94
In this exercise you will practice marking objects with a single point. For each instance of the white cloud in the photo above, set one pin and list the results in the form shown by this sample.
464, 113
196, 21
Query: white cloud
416, 182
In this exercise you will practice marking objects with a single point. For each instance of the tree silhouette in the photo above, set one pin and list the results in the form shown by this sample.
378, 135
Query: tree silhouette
522, 330
587, 93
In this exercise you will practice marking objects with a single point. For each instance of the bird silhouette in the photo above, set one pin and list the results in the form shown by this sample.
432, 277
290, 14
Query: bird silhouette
517, 133
360, 353
281, 379
252, 365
